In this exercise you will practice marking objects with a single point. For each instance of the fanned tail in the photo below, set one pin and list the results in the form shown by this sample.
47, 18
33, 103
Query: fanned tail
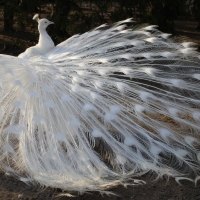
102, 107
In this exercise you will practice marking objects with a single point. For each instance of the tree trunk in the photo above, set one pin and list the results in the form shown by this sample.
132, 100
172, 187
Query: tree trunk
8, 17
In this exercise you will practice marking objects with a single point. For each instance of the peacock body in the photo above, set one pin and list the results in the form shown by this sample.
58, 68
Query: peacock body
101, 108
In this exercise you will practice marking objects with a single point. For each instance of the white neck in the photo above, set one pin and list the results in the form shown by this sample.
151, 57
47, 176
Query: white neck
45, 42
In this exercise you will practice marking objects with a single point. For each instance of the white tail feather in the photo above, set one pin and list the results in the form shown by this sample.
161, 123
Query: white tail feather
101, 108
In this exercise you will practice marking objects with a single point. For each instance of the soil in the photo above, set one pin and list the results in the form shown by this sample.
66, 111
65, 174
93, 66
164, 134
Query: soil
162, 189
12, 189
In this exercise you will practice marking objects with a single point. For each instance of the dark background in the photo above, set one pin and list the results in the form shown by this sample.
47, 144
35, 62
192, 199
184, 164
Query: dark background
18, 31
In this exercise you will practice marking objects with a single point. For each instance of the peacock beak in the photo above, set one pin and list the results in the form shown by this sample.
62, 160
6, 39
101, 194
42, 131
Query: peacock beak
51, 22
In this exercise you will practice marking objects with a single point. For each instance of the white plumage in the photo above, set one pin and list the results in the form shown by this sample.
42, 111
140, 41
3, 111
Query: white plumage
100, 108
45, 43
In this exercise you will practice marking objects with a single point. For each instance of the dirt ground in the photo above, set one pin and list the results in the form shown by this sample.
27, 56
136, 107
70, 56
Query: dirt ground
12, 189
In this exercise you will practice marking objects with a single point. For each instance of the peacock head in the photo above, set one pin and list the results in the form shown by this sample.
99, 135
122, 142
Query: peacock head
42, 23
